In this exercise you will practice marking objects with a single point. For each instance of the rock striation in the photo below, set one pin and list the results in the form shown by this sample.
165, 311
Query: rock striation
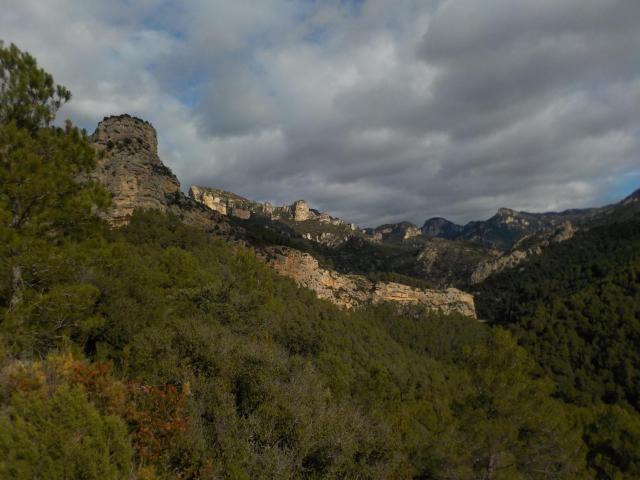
351, 291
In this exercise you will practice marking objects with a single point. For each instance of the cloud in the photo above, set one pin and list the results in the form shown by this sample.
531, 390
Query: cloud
451, 108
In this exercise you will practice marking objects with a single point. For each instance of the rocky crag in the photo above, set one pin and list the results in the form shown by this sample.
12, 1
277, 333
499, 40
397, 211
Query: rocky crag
352, 291
441, 252
507, 228
524, 248
308, 222
129, 167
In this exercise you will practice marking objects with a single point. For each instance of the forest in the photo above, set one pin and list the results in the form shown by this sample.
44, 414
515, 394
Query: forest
157, 351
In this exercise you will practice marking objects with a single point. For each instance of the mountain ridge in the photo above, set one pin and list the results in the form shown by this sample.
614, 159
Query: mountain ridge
438, 255
131, 170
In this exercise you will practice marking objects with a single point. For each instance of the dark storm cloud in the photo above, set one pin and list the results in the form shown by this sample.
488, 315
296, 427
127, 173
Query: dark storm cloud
371, 112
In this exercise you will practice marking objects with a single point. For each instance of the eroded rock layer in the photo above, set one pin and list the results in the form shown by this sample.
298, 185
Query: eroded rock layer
356, 290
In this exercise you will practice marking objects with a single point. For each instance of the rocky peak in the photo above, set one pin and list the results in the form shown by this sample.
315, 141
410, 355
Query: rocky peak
130, 168
440, 227
506, 215
396, 232
136, 178
505, 212
633, 198
300, 211
128, 132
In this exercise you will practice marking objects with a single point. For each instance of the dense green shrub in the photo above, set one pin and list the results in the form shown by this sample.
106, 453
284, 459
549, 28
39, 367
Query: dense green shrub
61, 436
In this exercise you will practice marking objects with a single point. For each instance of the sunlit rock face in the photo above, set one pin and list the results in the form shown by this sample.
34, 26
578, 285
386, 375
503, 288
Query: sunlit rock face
130, 168
350, 291
209, 199
300, 211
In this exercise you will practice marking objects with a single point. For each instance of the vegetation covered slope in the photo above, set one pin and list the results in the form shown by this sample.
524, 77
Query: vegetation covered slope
158, 351
576, 309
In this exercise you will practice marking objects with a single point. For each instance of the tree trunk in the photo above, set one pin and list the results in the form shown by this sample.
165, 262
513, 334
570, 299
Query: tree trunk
17, 287
492, 467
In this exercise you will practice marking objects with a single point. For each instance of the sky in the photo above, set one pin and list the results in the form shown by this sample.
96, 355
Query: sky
375, 111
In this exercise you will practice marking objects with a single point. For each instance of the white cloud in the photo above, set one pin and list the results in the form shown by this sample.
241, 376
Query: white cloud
450, 108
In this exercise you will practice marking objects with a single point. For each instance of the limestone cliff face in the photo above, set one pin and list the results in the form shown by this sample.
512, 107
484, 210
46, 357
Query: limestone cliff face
394, 232
307, 222
351, 291
131, 169
300, 211
208, 199
224, 202
136, 178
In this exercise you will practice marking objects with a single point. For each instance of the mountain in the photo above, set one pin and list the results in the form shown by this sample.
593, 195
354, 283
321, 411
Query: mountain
441, 254
131, 170
297, 217
508, 227
583, 292
441, 227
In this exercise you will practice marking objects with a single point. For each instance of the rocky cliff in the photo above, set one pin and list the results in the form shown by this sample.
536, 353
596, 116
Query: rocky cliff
131, 170
441, 227
523, 249
394, 232
224, 202
130, 167
299, 217
356, 290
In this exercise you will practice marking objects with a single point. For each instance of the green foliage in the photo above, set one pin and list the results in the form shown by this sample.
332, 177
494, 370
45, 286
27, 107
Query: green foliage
282, 385
28, 95
576, 309
612, 436
40, 193
61, 436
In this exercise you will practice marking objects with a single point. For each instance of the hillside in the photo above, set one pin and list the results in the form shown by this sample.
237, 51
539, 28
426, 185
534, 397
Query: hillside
145, 335
441, 254
576, 307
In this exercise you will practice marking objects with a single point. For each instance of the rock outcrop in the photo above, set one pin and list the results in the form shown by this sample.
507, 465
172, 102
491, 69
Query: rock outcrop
441, 227
224, 202
352, 291
130, 168
298, 217
300, 211
441, 252
209, 199
526, 247
394, 232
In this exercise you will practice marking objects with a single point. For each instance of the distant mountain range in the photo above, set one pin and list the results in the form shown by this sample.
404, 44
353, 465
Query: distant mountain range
441, 253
